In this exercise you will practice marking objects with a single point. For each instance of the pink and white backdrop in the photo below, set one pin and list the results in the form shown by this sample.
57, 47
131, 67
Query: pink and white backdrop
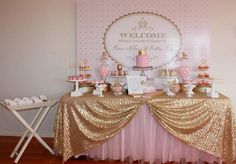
94, 16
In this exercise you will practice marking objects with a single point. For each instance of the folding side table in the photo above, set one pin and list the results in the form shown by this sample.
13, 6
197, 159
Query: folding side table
32, 128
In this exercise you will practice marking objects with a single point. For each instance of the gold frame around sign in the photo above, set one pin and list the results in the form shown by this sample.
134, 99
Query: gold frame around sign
151, 13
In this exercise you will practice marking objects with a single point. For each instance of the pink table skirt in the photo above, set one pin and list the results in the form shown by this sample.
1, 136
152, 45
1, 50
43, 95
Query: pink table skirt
145, 139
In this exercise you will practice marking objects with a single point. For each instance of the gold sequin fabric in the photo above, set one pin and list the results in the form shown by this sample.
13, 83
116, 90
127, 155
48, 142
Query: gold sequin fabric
87, 121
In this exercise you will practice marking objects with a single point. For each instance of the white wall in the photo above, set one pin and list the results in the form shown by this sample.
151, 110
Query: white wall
223, 46
37, 44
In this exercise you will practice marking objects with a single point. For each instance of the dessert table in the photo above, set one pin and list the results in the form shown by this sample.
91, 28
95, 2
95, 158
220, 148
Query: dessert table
158, 128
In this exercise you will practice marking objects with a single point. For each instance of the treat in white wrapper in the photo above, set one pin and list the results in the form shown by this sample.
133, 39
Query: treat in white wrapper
19, 101
27, 100
6, 101
36, 99
43, 98
10, 102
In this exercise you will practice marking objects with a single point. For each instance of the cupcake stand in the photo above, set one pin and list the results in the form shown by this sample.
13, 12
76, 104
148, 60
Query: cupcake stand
76, 92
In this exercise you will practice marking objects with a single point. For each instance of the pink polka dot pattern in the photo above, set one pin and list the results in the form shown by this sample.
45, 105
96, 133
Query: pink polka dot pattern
94, 16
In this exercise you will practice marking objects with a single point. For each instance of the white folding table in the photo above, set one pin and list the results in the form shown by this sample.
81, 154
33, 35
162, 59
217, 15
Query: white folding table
32, 128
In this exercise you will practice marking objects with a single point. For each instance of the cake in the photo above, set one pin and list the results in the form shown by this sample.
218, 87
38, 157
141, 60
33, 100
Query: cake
84, 67
203, 67
203, 84
203, 75
119, 71
142, 59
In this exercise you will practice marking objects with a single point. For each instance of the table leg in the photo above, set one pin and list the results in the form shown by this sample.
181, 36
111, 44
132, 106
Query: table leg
25, 134
33, 132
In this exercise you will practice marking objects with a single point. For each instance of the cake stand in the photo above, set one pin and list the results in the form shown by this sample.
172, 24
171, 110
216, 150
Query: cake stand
142, 69
76, 92
213, 93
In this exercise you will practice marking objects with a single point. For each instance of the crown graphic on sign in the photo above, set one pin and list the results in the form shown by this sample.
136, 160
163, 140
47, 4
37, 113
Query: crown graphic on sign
143, 24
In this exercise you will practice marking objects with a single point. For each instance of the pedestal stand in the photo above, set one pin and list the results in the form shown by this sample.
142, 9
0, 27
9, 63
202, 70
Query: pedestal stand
76, 92
190, 87
100, 86
213, 93
142, 70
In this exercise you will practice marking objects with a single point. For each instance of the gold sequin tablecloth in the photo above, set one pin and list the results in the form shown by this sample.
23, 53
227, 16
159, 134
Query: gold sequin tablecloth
87, 121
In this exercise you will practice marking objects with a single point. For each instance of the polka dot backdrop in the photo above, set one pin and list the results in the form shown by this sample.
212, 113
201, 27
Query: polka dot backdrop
94, 16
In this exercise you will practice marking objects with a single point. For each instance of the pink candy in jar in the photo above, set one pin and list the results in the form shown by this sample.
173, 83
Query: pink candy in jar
104, 67
104, 71
184, 73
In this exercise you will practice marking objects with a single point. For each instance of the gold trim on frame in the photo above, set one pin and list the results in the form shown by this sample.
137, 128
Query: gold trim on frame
144, 12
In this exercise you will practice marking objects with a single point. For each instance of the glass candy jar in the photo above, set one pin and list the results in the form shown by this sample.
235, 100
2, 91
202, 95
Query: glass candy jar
184, 69
117, 88
104, 68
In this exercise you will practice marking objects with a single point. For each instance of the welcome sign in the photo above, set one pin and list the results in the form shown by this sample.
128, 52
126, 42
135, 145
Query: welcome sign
152, 32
